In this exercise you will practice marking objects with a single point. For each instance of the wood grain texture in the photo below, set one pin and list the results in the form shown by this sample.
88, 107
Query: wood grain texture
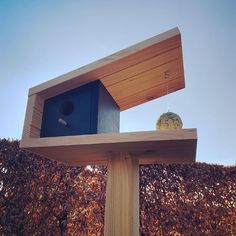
33, 117
139, 89
151, 93
144, 64
122, 196
151, 147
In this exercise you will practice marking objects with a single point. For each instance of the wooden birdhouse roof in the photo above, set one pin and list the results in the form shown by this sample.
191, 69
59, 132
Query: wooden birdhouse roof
132, 76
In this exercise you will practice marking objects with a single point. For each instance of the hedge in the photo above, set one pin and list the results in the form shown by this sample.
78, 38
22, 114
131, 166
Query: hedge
42, 197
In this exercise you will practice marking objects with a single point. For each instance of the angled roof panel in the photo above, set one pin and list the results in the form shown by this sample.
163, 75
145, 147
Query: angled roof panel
132, 76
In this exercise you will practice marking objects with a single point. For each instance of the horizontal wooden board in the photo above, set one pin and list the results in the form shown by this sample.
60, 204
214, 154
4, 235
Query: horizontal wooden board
139, 63
145, 80
142, 67
151, 147
150, 94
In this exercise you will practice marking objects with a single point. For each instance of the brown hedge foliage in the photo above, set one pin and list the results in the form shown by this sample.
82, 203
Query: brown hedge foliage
42, 197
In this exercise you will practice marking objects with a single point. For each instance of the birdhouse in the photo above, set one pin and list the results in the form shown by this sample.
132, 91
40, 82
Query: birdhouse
87, 109
75, 117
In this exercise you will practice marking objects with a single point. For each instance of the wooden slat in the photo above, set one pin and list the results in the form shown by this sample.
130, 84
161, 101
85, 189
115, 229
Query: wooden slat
151, 146
33, 117
150, 94
141, 67
145, 80
123, 61
37, 118
39, 103
34, 132
141, 57
28, 116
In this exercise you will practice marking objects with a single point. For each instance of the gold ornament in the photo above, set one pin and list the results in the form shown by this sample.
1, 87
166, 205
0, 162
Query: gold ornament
169, 120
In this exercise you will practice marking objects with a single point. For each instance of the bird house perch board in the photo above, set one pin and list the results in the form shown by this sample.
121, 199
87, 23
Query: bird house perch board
168, 146
75, 119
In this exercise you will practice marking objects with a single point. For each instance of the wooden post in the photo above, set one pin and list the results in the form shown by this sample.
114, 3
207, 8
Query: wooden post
122, 196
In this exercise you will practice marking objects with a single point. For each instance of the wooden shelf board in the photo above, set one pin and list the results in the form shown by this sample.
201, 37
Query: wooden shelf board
167, 146
152, 63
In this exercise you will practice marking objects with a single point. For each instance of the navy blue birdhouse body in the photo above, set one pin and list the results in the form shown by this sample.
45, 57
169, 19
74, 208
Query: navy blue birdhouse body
88, 109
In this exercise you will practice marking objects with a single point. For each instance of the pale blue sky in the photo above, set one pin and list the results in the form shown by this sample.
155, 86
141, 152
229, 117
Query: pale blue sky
41, 39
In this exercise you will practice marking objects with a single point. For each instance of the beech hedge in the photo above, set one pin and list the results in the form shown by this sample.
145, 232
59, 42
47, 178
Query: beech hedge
42, 197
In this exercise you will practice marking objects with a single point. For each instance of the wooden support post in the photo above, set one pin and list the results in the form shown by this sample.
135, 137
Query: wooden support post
122, 196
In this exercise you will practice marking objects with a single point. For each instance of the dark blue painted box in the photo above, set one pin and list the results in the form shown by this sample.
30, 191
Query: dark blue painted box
88, 109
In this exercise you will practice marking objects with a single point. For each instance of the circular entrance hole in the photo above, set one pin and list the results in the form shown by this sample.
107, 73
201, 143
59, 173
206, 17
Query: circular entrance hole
67, 108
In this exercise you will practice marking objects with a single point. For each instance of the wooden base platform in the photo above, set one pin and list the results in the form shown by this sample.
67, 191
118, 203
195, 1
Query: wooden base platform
167, 146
